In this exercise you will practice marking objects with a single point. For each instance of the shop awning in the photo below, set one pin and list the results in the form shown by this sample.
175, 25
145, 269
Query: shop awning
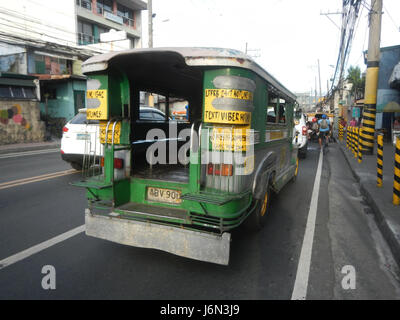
392, 106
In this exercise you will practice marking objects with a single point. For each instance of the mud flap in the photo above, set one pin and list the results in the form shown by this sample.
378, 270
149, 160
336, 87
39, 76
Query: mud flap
182, 242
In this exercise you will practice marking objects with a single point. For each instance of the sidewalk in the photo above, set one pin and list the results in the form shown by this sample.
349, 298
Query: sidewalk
20, 147
380, 199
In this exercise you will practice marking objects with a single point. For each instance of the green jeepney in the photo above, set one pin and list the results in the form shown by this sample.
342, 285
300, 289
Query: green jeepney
182, 185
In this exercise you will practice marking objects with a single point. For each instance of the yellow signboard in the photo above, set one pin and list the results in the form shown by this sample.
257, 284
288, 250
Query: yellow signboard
97, 98
229, 99
117, 132
228, 139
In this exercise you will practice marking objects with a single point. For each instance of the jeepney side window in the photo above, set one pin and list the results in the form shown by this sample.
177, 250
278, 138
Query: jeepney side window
282, 113
271, 114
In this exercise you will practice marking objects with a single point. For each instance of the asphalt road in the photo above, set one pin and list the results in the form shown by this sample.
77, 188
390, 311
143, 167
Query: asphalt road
263, 265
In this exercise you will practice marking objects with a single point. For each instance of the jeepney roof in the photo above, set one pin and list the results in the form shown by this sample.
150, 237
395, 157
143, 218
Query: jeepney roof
196, 57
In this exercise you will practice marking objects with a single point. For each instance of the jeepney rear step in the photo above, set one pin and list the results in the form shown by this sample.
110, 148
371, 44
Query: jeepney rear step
198, 245
212, 198
155, 211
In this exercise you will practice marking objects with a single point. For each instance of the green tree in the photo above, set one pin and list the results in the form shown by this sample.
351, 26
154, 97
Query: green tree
355, 77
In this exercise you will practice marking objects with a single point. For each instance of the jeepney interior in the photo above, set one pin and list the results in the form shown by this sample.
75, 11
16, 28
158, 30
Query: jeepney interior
163, 80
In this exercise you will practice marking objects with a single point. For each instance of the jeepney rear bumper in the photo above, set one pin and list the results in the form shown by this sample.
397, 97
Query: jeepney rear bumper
182, 242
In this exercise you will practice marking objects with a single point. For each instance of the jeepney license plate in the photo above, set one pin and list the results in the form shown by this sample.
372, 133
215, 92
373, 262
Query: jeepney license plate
163, 195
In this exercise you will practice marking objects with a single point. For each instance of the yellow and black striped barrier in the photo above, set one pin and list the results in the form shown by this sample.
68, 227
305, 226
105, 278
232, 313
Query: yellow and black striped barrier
367, 138
349, 133
355, 142
396, 182
359, 145
348, 138
340, 132
379, 161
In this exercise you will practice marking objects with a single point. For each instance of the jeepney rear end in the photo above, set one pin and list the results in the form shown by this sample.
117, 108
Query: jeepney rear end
177, 186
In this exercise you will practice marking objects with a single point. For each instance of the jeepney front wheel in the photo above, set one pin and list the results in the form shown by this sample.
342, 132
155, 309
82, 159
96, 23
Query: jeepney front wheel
256, 220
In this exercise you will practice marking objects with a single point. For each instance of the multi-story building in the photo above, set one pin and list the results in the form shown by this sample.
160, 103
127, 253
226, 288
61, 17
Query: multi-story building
306, 101
49, 39
94, 17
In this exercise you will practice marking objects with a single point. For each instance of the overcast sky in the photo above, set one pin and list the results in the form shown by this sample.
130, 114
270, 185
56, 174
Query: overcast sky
290, 35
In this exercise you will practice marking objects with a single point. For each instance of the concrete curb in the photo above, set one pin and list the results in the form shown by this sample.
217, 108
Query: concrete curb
387, 229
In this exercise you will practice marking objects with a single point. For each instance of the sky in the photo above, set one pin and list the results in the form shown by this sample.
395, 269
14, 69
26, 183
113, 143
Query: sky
287, 37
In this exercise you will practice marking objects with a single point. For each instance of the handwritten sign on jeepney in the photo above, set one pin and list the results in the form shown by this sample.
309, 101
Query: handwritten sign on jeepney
230, 106
97, 106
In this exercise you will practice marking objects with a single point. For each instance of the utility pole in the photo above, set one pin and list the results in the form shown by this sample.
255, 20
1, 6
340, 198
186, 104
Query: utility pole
316, 100
371, 82
319, 77
150, 12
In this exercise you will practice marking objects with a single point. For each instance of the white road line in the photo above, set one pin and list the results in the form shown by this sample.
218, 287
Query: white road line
27, 153
303, 269
41, 246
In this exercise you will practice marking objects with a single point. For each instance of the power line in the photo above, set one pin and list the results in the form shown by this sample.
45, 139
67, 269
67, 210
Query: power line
394, 23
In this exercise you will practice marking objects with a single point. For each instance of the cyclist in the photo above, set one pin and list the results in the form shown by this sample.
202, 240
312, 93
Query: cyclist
324, 128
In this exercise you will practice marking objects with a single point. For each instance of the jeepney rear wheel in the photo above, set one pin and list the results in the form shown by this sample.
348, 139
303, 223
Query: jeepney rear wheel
257, 218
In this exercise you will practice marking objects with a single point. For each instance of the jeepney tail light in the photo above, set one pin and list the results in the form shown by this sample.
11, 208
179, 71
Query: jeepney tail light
220, 170
118, 163
304, 130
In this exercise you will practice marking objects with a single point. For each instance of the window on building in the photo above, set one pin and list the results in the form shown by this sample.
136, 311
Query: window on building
132, 41
49, 65
87, 4
85, 33
5, 92
100, 30
17, 92
126, 14
29, 93
104, 5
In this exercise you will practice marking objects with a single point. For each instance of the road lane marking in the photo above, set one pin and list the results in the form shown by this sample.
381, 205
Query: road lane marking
27, 153
41, 246
14, 183
303, 269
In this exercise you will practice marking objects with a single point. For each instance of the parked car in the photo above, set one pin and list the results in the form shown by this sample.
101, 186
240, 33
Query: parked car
81, 136
301, 134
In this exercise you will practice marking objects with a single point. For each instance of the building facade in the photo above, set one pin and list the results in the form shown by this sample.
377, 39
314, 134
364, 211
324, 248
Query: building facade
50, 39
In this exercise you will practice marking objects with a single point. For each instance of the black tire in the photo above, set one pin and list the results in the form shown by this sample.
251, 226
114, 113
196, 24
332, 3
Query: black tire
303, 152
76, 166
256, 220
